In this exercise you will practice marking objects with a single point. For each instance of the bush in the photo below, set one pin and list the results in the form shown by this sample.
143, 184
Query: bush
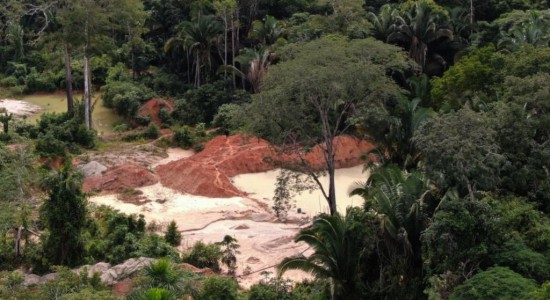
153, 245
229, 117
201, 104
184, 137
125, 97
495, 283
8, 81
204, 256
219, 288
523, 260
40, 81
272, 289
172, 235
164, 116
48, 146
152, 132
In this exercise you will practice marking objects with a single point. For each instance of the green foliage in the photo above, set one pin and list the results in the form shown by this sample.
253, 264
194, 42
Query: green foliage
229, 252
115, 237
56, 133
204, 255
339, 244
541, 293
515, 255
460, 150
271, 288
471, 79
229, 118
18, 174
495, 283
219, 288
184, 137
201, 104
152, 131
470, 230
172, 235
64, 214
125, 96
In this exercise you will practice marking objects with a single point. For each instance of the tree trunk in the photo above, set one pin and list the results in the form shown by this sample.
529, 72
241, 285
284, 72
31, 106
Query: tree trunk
87, 94
68, 80
225, 45
233, 48
332, 183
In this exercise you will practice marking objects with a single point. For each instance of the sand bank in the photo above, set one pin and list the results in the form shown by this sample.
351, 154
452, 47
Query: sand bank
19, 108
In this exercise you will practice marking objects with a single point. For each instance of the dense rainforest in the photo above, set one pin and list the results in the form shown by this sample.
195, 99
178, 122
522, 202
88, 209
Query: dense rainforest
454, 94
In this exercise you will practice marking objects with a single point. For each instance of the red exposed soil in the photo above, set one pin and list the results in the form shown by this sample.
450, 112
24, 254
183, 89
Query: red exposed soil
122, 288
152, 108
120, 178
208, 172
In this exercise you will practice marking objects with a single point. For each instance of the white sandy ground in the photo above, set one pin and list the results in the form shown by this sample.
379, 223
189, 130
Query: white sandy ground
19, 108
173, 155
264, 241
261, 186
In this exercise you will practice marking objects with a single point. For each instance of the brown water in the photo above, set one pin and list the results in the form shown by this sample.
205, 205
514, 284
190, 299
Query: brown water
103, 117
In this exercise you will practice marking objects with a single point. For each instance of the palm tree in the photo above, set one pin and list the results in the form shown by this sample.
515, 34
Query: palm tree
394, 144
253, 65
402, 201
419, 29
229, 253
266, 31
384, 22
534, 31
164, 275
337, 254
197, 39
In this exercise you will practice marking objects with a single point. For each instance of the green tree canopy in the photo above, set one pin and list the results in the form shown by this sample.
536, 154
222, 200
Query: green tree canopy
320, 90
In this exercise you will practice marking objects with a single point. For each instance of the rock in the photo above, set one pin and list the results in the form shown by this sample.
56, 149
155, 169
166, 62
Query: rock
261, 217
203, 271
253, 260
100, 268
48, 277
125, 270
120, 178
241, 227
92, 168
31, 279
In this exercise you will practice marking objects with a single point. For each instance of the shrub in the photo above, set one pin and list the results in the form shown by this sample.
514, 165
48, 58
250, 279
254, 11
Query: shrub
125, 97
172, 235
495, 283
48, 146
153, 245
229, 117
184, 137
8, 81
164, 116
152, 132
271, 289
201, 104
204, 256
219, 288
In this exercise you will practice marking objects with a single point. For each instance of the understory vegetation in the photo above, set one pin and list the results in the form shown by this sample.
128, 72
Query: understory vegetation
453, 94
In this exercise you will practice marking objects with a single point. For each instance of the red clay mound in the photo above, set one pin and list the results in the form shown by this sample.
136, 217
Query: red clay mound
120, 178
208, 173
152, 108
349, 151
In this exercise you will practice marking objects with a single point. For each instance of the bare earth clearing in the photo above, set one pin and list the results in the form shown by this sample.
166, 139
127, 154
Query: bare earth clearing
264, 240
19, 108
